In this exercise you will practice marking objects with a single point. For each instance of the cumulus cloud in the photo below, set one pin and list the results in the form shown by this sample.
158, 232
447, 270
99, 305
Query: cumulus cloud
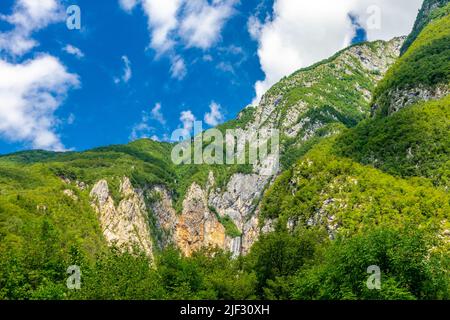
155, 138
127, 73
70, 49
197, 23
202, 22
162, 21
30, 93
157, 115
215, 116
183, 23
27, 17
303, 32
395, 18
142, 130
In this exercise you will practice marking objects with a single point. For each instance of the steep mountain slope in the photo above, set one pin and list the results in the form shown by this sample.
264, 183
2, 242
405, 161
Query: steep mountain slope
406, 140
422, 73
427, 13
315, 101
414, 142
378, 186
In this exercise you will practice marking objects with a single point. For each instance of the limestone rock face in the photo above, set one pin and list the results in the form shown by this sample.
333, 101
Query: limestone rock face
373, 60
400, 99
126, 225
238, 201
165, 214
197, 226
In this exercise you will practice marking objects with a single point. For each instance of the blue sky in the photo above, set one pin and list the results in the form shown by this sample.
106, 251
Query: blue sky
134, 70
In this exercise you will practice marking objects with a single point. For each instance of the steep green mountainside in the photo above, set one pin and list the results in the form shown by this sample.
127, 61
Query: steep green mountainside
386, 178
322, 99
415, 142
431, 9
342, 194
423, 72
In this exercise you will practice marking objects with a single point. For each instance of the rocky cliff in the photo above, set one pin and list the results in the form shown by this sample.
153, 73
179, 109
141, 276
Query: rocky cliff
125, 225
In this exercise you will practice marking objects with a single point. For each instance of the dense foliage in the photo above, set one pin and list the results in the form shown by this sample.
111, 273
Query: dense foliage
354, 196
426, 63
413, 142
282, 265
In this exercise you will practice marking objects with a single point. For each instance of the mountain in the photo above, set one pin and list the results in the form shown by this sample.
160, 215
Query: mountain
430, 10
375, 187
143, 170
363, 181
422, 73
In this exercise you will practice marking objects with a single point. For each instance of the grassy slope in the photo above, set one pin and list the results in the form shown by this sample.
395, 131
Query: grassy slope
427, 14
358, 196
425, 63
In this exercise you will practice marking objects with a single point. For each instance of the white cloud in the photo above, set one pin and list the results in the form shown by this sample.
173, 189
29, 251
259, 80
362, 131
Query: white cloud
254, 27
202, 23
215, 116
128, 5
127, 73
30, 93
396, 17
155, 138
187, 23
28, 16
70, 49
187, 119
157, 114
198, 23
162, 20
127, 69
141, 130
225, 67
303, 32
207, 58
178, 69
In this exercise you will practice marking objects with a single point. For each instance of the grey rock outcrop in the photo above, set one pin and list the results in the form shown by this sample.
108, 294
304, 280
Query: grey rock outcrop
125, 225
